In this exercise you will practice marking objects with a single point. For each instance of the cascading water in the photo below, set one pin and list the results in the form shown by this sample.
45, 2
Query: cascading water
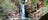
22, 9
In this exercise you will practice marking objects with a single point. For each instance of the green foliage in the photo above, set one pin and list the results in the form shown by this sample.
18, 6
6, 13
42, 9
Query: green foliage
45, 2
7, 5
33, 1
45, 10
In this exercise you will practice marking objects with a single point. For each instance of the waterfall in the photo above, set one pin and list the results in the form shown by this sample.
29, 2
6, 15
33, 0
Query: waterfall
22, 11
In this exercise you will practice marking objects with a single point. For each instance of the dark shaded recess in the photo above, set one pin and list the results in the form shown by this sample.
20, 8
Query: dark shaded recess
26, 12
1, 10
13, 0
7, 17
33, 11
45, 17
9, 14
37, 6
23, 1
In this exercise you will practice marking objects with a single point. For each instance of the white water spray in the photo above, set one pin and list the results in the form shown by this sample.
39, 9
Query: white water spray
22, 11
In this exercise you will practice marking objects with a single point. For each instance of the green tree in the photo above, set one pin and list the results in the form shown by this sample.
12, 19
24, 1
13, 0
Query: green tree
7, 5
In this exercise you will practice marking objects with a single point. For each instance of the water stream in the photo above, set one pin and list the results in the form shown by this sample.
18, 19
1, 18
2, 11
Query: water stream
22, 11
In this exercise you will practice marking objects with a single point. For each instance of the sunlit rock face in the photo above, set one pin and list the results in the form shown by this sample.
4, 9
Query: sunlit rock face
13, 15
38, 13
